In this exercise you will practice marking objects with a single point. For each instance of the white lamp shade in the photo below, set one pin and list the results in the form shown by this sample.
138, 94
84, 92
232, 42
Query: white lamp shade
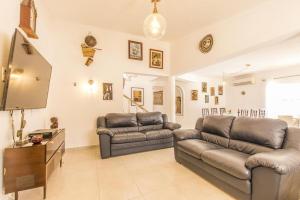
155, 26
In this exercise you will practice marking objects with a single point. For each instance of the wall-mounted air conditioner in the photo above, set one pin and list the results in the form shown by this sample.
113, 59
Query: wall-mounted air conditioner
247, 79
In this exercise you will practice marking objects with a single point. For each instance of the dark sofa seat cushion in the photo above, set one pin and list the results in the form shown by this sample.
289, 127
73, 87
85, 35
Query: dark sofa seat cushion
128, 137
218, 140
218, 125
158, 134
196, 147
265, 132
151, 118
229, 161
116, 120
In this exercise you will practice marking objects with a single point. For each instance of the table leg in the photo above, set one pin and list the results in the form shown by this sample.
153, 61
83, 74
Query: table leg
60, 162
16, 195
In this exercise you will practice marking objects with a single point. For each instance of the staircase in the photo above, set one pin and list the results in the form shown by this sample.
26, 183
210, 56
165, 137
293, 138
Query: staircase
137, 105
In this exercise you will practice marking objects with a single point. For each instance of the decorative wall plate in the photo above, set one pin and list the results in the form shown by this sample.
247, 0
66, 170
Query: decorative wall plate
90, 41
206, 44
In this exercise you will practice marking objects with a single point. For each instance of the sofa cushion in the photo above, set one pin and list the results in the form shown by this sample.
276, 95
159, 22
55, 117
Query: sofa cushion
218, 140
114, 120
229, 161
150, 118
128, 137
265, 132
151, 127
292, 139
158, 134
196, 147
249, 148
219, 125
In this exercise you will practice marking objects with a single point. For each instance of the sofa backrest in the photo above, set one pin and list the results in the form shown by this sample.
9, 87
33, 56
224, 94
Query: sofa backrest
252, 136
150, 121
216, 129
292, 139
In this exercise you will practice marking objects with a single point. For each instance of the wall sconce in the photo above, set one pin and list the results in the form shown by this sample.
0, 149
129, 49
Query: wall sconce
91, 87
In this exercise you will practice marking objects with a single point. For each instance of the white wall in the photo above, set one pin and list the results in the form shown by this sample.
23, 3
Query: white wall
9, 20
265, 24
255, 97
192, 110
76, 109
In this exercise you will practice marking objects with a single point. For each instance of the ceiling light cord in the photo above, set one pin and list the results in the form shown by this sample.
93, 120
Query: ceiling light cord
155, 10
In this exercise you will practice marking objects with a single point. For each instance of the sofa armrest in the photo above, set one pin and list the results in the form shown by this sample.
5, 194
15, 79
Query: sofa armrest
172, 126
105, 131
283, 161
187, 134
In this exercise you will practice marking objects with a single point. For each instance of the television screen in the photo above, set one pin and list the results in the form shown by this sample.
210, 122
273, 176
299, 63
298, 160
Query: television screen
27, 77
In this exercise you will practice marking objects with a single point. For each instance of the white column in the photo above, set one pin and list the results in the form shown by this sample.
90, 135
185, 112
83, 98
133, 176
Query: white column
171, 104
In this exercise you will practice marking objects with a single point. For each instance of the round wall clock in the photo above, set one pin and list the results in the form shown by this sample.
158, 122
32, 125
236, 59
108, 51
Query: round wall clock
90, 40
206, 44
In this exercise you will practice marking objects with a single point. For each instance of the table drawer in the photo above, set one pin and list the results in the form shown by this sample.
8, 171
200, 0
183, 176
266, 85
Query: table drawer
53, 145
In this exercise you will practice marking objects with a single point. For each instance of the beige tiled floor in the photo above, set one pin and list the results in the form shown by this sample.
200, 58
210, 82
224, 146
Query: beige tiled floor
144, 176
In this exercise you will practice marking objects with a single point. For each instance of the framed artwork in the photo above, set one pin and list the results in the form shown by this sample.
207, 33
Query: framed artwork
107, 91
221, 90
135, 50
156, 59
179, 108
212, 91
137, 95
204, 87
206, 98
216, 100
158, 98
194, 95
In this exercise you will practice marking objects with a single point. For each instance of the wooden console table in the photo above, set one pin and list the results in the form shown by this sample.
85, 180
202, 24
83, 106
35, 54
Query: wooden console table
29, 166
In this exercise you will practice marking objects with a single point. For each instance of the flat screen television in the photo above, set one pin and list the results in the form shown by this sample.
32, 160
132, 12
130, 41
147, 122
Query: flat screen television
26, 77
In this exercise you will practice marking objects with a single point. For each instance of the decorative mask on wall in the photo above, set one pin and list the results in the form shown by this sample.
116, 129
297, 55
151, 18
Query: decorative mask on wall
89, 49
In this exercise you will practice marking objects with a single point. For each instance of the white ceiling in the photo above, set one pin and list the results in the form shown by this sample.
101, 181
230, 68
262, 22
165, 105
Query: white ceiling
183, 17
283, 54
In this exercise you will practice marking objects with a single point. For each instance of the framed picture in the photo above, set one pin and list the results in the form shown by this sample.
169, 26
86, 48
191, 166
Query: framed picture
206, 98
179, 106
216, 100
158, 98
204, 87
135, 50
156, 59
137, 95
212, 91
221, 90
28, 17
107, 91
194, 95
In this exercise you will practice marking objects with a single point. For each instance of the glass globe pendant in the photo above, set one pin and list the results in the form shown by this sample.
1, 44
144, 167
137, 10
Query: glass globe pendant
155, 24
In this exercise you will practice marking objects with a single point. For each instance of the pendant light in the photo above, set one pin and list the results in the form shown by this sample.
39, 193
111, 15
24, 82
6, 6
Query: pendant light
155, 24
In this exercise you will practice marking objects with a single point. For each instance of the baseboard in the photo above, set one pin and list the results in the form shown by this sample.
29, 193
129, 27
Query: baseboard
81, 148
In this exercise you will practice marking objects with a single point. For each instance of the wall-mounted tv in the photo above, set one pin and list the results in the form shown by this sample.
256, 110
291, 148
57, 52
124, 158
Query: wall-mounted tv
26, 78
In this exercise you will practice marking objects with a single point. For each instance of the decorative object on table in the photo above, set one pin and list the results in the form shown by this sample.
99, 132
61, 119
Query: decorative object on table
206, 44
20, 141
156, 59
135, 50
220, 90
206, 98
212, 91
107, 91
243, 93
137, 95
37, 139
217, 100
28, 16
194, 95
158, 98
89, 49
54, 122
204, 87
155, 24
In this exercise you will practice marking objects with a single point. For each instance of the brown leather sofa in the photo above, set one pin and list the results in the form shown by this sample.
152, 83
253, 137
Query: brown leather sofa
125, 133
253, 159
